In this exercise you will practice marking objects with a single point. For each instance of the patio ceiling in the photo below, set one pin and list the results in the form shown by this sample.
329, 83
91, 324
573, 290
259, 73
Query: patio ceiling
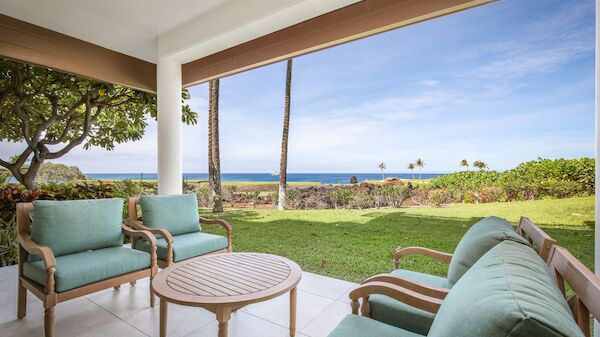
121, 41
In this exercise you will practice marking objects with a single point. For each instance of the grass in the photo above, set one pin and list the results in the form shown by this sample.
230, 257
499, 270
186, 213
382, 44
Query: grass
355, 244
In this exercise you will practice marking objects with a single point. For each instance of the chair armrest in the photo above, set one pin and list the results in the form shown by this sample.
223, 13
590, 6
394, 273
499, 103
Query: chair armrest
434, 254
34, 249
135, 224
412, 298
144, 234
220, 222
425, 289
228, 228
47, 256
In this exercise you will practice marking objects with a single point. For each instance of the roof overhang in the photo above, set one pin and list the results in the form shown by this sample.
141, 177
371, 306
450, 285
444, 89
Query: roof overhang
218, 38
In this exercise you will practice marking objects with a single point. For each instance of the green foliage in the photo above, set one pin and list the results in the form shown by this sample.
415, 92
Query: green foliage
542, 178
56, 173
541, 171
9, 249
340, 196
52, 112
466, 180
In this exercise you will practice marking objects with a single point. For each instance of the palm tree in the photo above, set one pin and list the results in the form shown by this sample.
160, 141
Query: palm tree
382, 168
411, 167
464, 163
419, 163
284, 138
214, 161
481, 165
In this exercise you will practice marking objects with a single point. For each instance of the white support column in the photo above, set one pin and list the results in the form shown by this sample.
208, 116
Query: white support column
169, 126
597, 226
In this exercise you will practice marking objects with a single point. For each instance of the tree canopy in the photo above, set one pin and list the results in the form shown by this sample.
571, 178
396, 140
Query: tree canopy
52, 112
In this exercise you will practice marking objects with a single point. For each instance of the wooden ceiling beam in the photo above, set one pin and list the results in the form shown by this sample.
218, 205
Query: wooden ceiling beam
24, 42
365, 18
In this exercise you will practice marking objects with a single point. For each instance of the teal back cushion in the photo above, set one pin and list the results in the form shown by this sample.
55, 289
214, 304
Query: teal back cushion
508, 292
178, 214
77, 225
480, 238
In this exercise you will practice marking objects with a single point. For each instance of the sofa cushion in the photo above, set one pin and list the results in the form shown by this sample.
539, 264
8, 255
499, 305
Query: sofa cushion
390, 311
186, 246
73, 226
359, 326
178, 214
482, 236
79, 269
508, 292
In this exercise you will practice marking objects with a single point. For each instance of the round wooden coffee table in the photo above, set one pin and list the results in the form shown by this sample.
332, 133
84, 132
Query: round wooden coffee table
225, 282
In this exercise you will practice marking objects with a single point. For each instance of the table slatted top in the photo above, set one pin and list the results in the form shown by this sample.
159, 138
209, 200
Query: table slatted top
227, 278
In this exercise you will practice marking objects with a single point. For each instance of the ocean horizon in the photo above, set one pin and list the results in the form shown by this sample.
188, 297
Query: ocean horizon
324, 178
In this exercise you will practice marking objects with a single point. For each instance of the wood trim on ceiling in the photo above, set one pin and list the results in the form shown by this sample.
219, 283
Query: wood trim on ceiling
365, 18
25, 42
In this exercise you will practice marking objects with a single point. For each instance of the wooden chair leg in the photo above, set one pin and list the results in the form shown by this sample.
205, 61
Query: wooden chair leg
49, 322
152, 296
21, 301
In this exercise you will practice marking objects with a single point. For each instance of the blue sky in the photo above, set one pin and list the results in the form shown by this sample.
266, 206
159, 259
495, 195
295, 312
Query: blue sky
504, 83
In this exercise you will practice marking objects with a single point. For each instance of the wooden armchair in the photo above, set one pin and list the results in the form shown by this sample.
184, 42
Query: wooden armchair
539, 240
38, 265
168, 243
566, 269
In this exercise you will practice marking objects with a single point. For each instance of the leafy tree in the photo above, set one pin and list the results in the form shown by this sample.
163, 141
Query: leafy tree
382, 168
481, 165
59, 173
411, 167
214, 157
52, 113
464, 163
284, 141
420, 164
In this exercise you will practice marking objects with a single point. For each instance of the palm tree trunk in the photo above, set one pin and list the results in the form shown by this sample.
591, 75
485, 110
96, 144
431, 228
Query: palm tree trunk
214, 161
284, 139
419, 173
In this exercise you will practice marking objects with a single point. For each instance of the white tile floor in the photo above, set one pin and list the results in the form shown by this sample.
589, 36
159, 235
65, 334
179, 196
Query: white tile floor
322, 303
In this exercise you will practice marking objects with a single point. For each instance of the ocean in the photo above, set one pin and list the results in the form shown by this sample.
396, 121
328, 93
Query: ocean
324, 178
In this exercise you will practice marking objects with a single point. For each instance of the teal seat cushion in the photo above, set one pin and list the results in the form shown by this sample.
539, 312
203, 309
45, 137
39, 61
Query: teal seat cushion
186, 246
79, 269
508, 292
178, 214
390, 311
480, 238
359, 326
77, 225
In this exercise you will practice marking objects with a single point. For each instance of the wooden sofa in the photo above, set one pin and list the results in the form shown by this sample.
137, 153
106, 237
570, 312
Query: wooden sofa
482, 236
170, 237
509, 291
74, 248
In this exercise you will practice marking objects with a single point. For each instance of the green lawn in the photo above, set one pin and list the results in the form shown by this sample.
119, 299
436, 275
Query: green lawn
355, 244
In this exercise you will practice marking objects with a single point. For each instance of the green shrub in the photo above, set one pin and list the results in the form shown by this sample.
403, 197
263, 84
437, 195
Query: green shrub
362, 200
466, 180
560, 189
340, 197
439, 197
9, 248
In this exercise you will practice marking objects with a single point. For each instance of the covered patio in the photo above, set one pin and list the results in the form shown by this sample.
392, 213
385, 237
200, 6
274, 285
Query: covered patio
153, 47
322, 304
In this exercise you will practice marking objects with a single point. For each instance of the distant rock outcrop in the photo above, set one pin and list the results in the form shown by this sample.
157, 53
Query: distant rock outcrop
393, 181
353, 180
